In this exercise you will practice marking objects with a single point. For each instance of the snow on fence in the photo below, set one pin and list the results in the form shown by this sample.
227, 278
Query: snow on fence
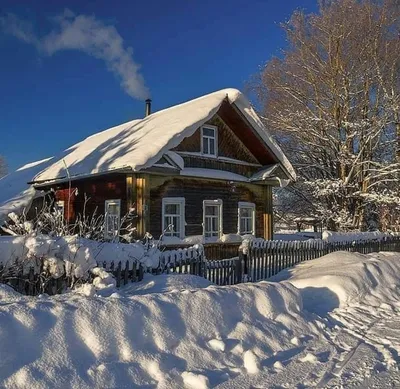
43, 264
332, 236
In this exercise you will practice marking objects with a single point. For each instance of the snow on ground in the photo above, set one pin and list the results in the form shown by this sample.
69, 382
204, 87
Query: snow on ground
329, 323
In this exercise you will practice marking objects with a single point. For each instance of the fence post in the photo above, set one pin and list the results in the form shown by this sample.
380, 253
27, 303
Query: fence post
238, 271
246, 263
126, 273
118, 274
31, 282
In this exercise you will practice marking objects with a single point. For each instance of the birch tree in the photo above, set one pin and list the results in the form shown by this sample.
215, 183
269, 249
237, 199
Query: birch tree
332, 100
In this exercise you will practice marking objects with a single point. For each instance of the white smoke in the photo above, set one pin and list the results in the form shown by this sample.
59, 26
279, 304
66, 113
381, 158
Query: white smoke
86, 34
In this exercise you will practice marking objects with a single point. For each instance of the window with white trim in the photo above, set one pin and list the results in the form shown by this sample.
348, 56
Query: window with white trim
209, 140
246, 218
212, 218
173, 216
112, 214
59, 208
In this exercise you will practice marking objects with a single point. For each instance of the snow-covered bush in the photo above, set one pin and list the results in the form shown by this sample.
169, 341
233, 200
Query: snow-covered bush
83, 260
50, 220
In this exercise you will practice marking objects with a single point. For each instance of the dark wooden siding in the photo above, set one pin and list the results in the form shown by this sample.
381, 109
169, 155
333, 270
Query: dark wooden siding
195, 191
96, 191
246, 135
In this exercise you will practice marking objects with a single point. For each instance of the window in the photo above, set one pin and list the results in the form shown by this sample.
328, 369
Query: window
173, 216
209, 141
246, 219
59, 208
112, 219
212, 218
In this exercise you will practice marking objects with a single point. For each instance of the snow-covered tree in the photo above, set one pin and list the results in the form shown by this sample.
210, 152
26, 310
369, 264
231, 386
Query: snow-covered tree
333, 102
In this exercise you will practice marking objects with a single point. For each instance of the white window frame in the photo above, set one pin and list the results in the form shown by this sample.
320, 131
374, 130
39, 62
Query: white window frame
219, 203
252, 206
60, 206
215, 137
113, 235
181, 202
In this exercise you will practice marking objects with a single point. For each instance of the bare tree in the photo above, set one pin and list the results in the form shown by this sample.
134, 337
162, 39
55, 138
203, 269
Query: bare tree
333, 102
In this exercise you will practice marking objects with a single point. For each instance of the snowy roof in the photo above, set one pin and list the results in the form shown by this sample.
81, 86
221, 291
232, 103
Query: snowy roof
15, 193
139, 144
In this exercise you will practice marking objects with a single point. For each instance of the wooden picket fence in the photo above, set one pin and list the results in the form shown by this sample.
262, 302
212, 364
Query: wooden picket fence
258, 260
263, 259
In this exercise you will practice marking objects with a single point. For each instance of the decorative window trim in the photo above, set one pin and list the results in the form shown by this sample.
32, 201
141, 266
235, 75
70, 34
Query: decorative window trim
218, 202
181, 202
215, 128
108, 234
243, 204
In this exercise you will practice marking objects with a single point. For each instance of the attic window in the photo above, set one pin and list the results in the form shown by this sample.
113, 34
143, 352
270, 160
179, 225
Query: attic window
209, 140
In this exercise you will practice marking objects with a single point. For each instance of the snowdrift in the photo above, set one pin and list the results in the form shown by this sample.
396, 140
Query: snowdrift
79, 255
194, 338
342, 277
331, 236
193, 335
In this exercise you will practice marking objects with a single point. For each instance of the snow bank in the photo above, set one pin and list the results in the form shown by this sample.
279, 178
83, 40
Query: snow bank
163, 283
202, 337
342, 277
76, 255
200, 239
330, 236
152, 340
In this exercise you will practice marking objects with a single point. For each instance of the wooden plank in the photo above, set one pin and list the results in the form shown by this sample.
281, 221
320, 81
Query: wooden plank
143, 204
130, 191
268, 211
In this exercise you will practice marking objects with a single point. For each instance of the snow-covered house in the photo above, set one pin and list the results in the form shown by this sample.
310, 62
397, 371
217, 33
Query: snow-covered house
206, 166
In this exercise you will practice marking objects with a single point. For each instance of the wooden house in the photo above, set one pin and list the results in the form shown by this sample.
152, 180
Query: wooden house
205, 167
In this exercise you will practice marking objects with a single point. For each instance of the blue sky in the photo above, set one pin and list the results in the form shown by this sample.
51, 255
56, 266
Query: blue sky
53, 95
